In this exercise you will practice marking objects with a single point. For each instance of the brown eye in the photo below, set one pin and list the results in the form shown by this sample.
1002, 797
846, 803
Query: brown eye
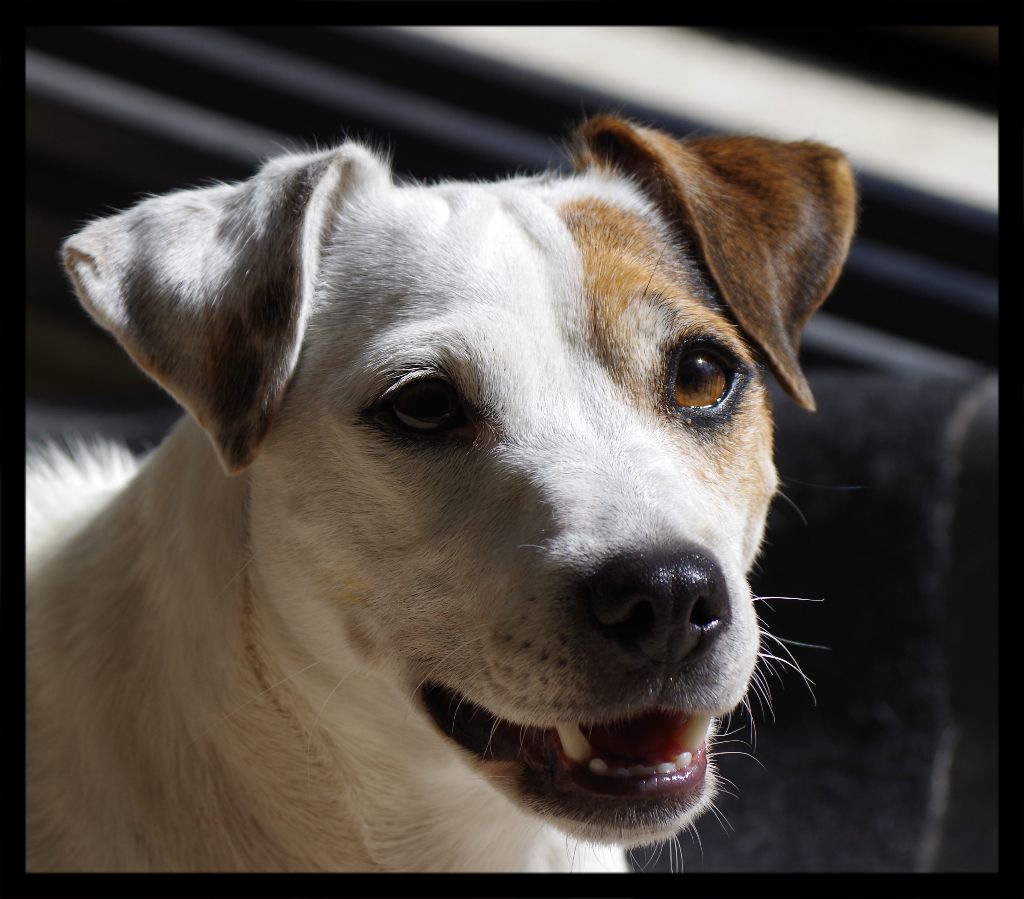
701, 380
427, 406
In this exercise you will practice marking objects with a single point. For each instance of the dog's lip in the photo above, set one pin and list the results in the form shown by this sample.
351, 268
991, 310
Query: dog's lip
491, 738
486, 735
686, 782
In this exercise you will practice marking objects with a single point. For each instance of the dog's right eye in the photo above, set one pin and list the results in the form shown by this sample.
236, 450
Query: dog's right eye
427, 406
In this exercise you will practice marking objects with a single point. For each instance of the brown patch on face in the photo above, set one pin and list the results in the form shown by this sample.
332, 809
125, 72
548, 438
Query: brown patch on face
626, 261
742, 457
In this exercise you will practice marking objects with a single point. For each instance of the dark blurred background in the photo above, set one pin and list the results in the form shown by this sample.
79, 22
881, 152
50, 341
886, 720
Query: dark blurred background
889, 507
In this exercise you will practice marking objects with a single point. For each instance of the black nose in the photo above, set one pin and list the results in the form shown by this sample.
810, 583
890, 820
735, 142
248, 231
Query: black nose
667, 607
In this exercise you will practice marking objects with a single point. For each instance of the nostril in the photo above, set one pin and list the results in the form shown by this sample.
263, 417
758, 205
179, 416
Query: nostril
628, 620
705, 612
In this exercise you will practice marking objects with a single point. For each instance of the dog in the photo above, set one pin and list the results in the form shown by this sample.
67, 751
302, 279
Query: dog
445, 568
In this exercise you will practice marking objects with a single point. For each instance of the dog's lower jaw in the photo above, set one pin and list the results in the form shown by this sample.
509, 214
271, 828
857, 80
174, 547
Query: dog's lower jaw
588, 803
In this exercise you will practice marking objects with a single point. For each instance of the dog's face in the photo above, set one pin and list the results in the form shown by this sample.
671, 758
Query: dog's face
514, 439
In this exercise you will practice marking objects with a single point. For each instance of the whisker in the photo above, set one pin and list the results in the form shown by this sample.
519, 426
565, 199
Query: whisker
791, 663
745, 754
494, 728
799, 643
696, 834
675, 856
762, 694
797, 598
799, 483
722, 820
730, 743
631, 860
462, 699
745, 703
732, 789
807, 681
766, 659
803, 517
725, 791
657, 856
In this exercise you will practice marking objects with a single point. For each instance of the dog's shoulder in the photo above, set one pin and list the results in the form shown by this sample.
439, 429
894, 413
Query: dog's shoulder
66, 483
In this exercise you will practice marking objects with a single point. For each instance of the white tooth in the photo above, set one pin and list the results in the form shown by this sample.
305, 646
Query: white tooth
574, 743
598, 766
666, 768
683, 760
694, 732
640, 770
620, 772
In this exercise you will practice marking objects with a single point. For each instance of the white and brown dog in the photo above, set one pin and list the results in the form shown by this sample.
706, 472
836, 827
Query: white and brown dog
445, 570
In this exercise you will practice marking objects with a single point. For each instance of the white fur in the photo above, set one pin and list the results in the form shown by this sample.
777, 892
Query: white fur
223, 670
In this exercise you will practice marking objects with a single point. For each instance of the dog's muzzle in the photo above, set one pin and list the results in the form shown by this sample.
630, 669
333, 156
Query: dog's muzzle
643, 619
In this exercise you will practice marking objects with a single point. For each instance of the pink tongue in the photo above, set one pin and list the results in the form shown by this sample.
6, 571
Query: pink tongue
648, 738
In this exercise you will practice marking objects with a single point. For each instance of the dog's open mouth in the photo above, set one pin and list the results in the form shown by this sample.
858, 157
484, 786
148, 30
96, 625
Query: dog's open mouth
656, 759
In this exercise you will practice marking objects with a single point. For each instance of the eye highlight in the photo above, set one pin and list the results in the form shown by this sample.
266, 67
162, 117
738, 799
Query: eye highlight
701, 380
426, 406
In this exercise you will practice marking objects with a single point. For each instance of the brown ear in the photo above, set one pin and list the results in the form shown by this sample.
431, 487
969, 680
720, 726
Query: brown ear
771, 220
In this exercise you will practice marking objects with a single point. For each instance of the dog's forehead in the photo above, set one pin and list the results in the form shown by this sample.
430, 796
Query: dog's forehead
530, 270
501, 244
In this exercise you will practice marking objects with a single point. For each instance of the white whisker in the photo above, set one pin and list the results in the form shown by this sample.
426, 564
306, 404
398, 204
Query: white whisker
794, 598
720, 815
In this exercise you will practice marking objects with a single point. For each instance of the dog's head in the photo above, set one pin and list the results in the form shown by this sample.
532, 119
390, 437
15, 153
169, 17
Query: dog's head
515, 447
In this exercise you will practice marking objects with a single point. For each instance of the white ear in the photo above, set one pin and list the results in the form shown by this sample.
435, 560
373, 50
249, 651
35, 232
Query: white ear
208, 290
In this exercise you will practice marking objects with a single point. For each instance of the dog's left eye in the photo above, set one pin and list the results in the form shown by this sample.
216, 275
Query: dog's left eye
702, 380
430, 405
